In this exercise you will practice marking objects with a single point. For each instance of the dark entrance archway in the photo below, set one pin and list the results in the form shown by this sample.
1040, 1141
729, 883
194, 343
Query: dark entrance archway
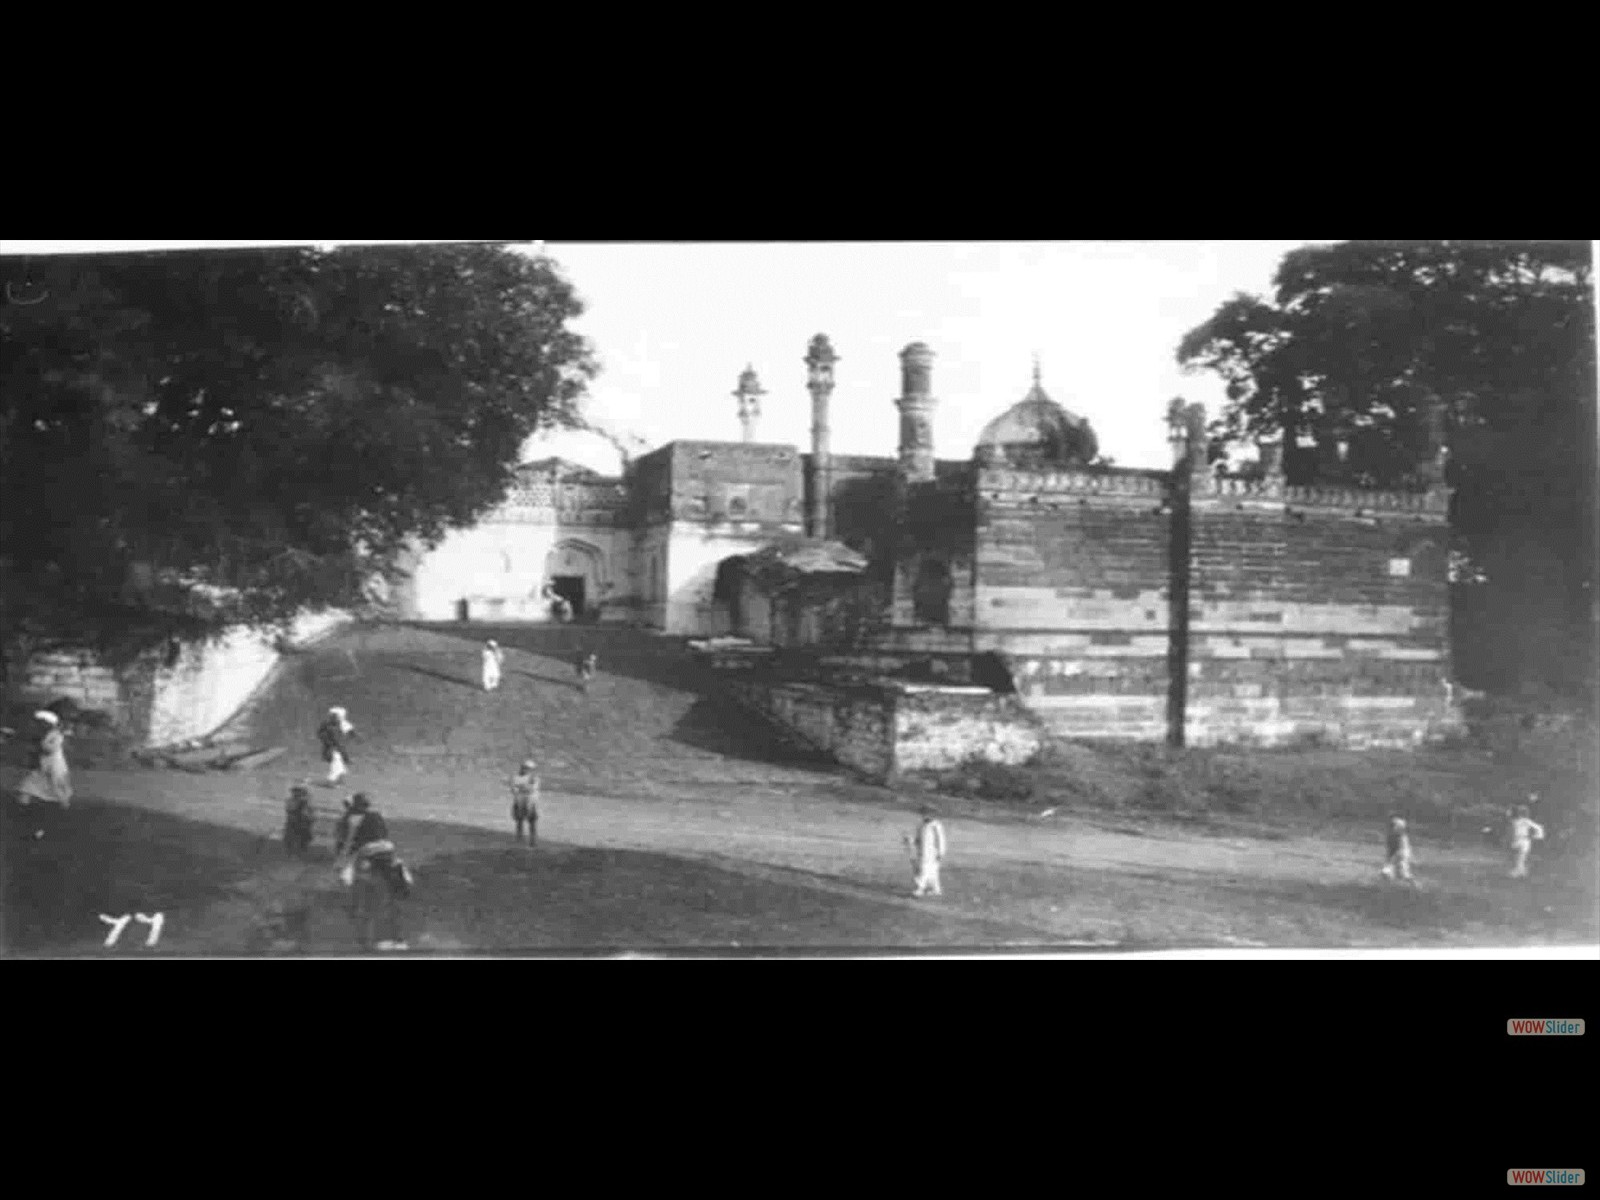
573, 590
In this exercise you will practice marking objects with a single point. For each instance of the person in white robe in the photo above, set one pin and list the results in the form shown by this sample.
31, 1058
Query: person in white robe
1398, 864
927, 854
46, 792
493, 662
1525, 831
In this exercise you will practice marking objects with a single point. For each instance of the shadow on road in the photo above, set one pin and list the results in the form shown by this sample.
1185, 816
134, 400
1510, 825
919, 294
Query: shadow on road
511, 899
475, 685
723, 728
115, 860
571, 684
1502, 908
228, 891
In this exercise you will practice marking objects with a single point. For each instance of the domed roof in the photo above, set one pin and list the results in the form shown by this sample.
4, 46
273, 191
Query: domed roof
1037, 433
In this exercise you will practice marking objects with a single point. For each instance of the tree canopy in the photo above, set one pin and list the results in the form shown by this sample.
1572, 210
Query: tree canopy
193, 439
1362, 339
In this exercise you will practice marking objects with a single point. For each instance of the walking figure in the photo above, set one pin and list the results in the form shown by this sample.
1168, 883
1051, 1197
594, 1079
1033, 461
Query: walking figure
46, 792
494, 660
1524, 832
525, 801
927, 848
587, 665
298, 821
1398, 866
374, 872
335, 733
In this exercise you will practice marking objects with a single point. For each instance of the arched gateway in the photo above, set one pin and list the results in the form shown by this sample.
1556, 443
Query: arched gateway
575, 571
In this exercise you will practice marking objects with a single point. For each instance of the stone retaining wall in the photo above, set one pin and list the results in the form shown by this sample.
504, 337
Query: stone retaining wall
884, 730
152, 703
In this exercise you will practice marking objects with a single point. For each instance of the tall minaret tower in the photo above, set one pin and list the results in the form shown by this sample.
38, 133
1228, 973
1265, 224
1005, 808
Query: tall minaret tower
749, 395
916, 405
819, 362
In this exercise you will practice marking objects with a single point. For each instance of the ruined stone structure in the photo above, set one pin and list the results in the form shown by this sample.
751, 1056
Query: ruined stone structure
1112, 602
172, 695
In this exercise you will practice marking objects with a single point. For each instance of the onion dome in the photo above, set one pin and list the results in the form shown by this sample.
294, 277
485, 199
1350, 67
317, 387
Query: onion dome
1037, 434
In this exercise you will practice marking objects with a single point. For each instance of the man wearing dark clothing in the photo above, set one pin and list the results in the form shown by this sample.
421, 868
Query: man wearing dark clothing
297, 821
525, 801
377, 877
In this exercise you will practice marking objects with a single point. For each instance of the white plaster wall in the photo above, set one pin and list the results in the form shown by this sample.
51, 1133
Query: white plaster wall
693, 553
500, 569
651, 564
212, 680
208, 685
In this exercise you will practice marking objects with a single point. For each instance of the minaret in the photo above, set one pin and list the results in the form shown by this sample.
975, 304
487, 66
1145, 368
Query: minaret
819, 362
1432, 468
749, 395
916, 405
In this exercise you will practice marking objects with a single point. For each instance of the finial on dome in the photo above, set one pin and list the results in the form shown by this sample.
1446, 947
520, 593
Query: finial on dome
1036, 368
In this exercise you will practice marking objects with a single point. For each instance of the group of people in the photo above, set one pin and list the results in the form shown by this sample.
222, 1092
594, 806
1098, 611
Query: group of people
370, 864
371, 867
379, 879
587, 665
1520, 831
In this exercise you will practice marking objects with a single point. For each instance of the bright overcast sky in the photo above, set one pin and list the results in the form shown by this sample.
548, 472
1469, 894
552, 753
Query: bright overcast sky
674, 323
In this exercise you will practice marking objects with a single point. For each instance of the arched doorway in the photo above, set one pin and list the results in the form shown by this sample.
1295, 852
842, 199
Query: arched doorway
728, 590
575, 571
930, 592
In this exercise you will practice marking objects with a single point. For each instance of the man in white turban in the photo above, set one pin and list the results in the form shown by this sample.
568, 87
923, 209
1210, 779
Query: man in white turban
334, 734
47, 790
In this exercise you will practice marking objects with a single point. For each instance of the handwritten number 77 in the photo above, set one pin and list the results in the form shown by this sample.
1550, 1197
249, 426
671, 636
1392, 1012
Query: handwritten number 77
118, 924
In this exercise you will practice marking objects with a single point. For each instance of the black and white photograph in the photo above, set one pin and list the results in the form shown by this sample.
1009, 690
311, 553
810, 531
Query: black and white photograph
970, 599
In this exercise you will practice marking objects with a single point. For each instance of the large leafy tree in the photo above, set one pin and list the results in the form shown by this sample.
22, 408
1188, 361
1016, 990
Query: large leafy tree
1362, 339
188, 440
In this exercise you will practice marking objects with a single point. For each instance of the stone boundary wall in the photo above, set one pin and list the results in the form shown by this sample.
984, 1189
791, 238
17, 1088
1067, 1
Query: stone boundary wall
1317, 613
75, 675
1314, 613
154, 704
939, 728
1074, 596
882, 731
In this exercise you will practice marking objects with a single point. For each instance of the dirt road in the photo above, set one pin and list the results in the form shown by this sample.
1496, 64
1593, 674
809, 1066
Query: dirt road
669, 821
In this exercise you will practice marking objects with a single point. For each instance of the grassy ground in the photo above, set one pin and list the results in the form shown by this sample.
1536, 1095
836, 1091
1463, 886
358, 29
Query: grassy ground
671, 822
1446, 794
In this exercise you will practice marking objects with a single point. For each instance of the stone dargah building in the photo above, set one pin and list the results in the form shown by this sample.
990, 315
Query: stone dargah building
1111, 602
